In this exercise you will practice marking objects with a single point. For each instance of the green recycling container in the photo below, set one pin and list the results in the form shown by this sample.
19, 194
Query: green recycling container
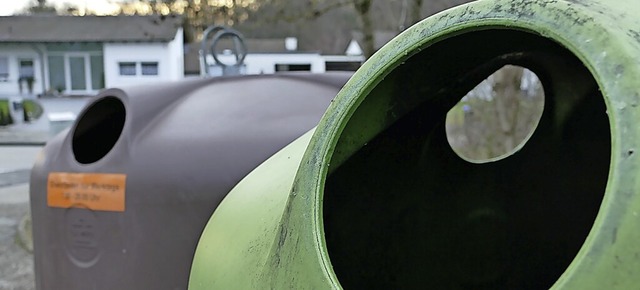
376, 198
120, 199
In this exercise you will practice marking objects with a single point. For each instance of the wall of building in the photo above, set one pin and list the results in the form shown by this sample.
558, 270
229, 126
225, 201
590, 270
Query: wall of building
176, 50
9, 85
168, 56
266, 63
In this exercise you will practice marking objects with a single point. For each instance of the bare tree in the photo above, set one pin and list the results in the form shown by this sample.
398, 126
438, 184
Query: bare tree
388, 15
40, 7
363, 8
43, 7
325, 25
198, 14
496, 116
416, 11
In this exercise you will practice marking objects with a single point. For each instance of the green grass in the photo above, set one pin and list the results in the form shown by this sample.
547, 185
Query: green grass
5, 116
32, 110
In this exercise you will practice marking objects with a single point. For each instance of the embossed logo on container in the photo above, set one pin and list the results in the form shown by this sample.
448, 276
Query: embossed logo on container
83, 233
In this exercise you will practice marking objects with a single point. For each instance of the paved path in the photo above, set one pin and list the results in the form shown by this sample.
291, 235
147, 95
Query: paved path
14, 177
16, 258
13, 158
38, 132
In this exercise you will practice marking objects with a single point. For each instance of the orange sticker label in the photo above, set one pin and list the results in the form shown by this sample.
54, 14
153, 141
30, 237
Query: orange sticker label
96, 191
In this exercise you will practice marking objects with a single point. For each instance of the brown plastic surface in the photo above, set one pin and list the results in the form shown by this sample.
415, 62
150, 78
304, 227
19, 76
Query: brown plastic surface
180, 147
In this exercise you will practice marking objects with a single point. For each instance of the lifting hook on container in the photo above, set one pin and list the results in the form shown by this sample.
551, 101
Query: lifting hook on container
239, 50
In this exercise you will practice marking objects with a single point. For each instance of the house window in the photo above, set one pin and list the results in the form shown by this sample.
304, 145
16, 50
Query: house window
77, 72
342, 65
97, 72
4, 68
57, 73
127, 68
293, 67
149, 68
26, 69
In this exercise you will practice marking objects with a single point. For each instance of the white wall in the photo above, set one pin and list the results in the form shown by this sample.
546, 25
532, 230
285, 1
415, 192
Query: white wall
265, 63
169, 57
176, 50
14, 53
343, 58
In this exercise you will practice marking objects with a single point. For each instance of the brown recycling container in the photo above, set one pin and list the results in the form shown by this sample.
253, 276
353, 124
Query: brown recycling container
120, 200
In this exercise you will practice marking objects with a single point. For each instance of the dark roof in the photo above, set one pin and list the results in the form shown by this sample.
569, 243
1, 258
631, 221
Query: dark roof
51, 28
266, 45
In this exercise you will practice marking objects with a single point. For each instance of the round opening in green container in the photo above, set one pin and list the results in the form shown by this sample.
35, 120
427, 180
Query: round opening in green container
401, 210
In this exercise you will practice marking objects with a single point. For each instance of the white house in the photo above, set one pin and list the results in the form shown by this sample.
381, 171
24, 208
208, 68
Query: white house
267, 56
269, 63
81, 55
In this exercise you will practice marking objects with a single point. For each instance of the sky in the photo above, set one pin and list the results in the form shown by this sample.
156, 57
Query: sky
9, 7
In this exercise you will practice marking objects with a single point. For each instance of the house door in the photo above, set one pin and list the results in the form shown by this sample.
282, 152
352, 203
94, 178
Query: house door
78, 79
75, 72
26, 75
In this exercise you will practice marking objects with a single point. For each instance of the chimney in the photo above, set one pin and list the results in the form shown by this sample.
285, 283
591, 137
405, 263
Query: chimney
291, 43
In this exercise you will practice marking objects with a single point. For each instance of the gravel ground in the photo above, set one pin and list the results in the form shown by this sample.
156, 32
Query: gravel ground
16, 263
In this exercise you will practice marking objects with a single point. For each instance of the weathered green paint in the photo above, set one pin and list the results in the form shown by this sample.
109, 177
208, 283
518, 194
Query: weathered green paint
269, 232
250, 217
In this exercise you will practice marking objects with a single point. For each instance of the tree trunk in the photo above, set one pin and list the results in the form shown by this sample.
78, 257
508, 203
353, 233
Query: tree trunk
416, 11
363, 8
